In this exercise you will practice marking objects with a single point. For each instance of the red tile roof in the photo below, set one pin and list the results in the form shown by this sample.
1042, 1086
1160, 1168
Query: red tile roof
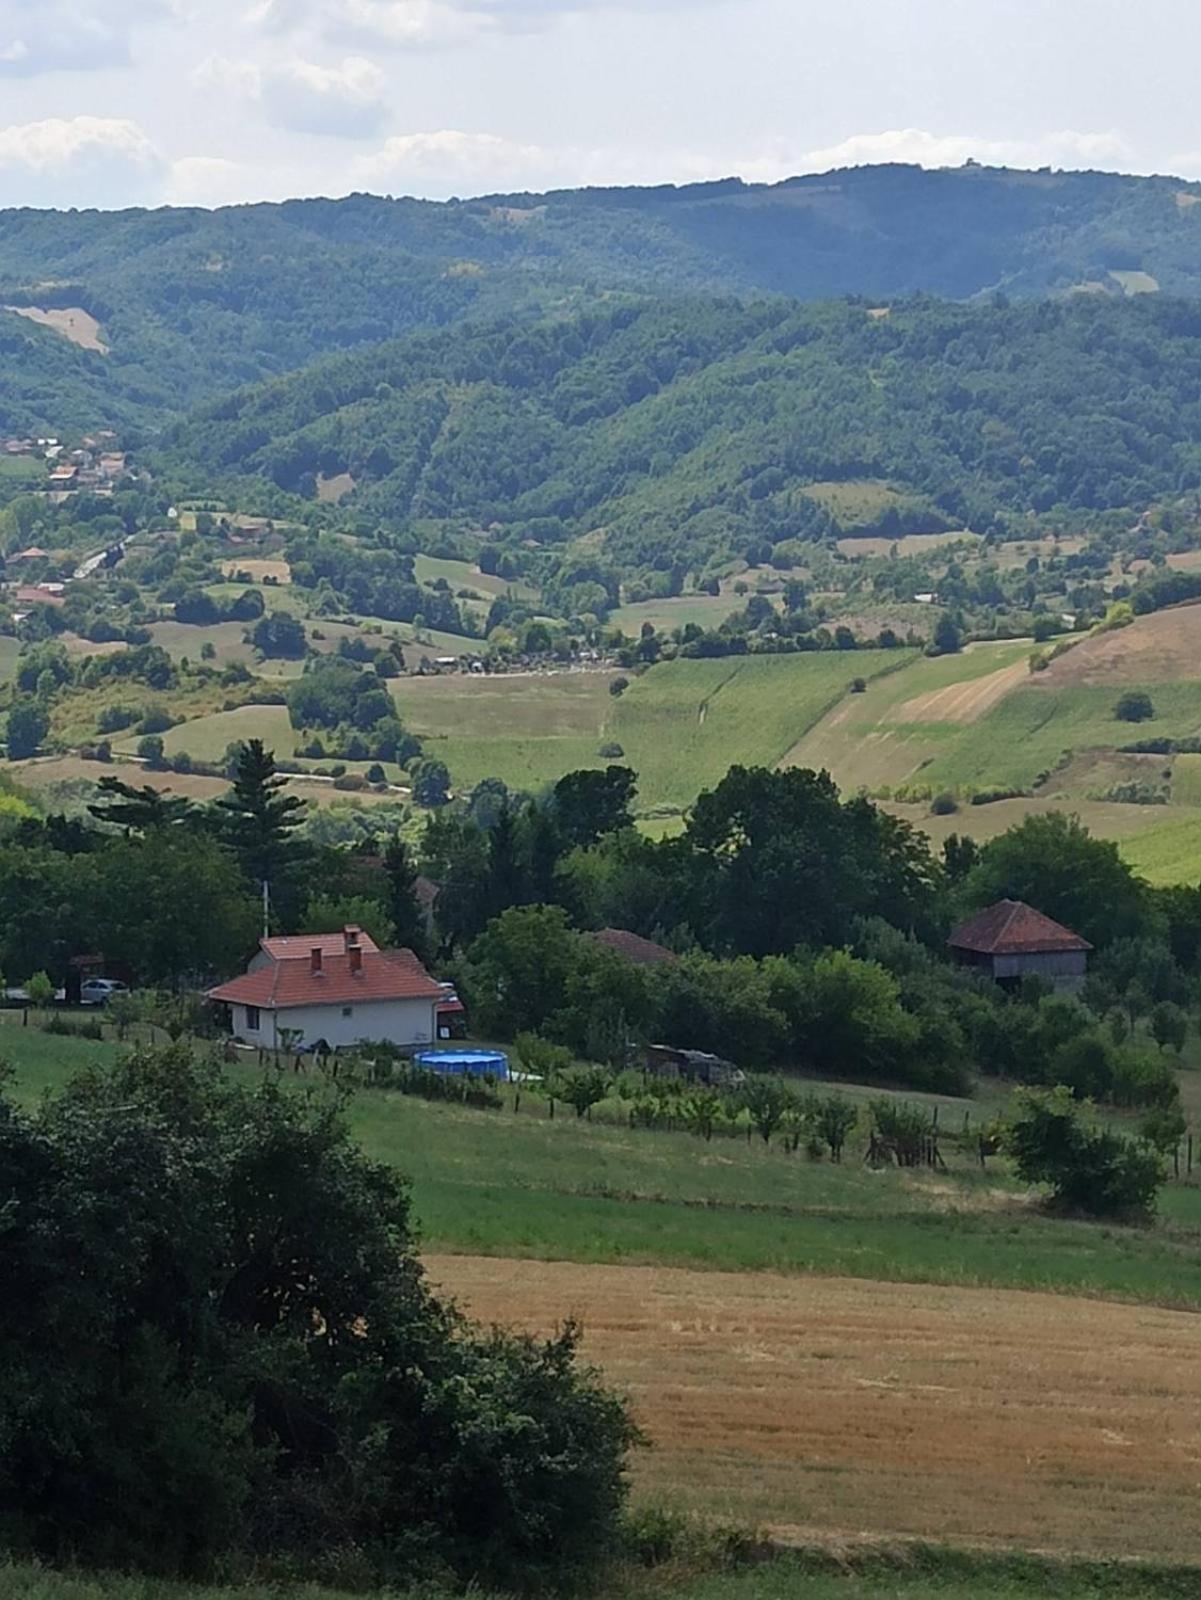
642, 952
1013, 928
384, 975
297, 946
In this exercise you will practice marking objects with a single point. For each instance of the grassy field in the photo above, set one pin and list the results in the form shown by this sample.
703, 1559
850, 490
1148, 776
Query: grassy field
847, 1573
465, 575
1040, 722
528, 729
706, 610
908, 716
684, 724
1170, 853
495, 1184
207, 738
10, 649
815, 1347
1129, 826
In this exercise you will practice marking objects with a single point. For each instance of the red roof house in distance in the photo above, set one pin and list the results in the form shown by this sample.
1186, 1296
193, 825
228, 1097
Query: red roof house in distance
334, 990
1012, 940
300, 946
642, 952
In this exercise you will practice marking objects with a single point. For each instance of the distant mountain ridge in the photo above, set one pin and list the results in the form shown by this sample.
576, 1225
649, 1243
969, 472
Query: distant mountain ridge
195, 303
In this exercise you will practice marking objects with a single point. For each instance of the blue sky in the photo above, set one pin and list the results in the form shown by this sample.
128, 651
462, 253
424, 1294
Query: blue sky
115, 102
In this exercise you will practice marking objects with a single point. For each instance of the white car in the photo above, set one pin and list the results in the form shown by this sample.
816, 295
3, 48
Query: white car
99, 991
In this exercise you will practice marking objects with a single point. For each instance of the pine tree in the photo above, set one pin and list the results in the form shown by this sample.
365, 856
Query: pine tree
257, 820
138, 810
404, 908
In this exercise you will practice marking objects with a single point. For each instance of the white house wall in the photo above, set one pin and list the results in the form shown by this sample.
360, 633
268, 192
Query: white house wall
400, 1022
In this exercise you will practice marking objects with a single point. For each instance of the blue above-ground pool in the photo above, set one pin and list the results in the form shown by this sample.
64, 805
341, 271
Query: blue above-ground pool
465, 1063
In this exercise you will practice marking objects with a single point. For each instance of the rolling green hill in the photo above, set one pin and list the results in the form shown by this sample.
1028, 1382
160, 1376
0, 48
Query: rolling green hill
192, 303
684, 432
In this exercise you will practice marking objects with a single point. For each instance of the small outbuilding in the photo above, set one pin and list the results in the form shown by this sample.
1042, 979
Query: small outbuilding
1011, 941
633, 947
693, 1066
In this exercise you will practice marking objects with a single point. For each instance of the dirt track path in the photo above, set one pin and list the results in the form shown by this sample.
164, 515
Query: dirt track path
846, 1407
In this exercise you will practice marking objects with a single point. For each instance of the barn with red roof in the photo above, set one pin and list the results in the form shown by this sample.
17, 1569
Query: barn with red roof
1011, 941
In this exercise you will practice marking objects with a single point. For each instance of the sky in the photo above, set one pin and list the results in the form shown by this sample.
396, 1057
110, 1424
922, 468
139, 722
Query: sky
212, 102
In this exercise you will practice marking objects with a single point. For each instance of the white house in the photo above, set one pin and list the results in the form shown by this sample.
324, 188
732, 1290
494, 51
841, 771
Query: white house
332, 989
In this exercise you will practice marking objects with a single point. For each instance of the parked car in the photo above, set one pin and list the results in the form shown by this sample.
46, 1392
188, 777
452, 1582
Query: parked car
99, 991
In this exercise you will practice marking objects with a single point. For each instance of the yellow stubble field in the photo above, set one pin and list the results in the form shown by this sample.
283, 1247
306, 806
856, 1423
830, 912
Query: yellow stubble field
826, 1408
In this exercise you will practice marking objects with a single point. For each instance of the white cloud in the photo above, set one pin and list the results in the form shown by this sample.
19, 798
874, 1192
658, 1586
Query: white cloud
88, 161
345, 101
417, 24
207, 181
922, 148
383, 24
450, 161
72, 35
219, 75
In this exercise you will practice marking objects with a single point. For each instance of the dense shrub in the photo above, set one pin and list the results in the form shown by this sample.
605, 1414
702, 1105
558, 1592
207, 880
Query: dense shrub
1134, 706
1088, 1168
218, 1345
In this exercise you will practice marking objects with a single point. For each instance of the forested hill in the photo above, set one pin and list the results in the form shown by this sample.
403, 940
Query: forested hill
193, 303
689, 429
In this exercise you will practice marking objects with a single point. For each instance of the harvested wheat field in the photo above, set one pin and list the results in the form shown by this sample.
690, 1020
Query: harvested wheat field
827, 1407
963, 702
1162, 648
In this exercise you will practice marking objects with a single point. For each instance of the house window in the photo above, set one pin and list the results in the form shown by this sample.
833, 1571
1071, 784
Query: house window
252, 1019
348, 1011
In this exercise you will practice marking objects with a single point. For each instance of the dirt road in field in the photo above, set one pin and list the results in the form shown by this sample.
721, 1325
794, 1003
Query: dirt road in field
819, 1406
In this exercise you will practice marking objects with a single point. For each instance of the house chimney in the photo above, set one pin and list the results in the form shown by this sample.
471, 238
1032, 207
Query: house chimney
351, 934
356, 959
315, 960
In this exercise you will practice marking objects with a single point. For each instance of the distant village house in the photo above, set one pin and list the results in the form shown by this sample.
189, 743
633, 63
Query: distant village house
330, 991
1011, 941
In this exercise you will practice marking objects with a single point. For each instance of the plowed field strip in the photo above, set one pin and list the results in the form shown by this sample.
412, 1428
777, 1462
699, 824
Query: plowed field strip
858, 1407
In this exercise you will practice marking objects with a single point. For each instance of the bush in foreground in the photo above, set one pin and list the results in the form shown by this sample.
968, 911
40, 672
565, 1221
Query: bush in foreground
1089, 1168
218, 1345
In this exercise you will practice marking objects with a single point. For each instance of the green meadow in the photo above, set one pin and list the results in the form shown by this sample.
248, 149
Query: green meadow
516, 1184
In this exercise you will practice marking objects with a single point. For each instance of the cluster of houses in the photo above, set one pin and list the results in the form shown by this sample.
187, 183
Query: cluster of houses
95, 465
322, 992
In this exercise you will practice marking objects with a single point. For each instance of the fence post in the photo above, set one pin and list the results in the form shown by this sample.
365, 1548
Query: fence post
1190, 1155
1176, 1160
552, 1108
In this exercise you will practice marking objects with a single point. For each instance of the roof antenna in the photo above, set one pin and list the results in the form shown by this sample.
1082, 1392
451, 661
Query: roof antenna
266, 908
